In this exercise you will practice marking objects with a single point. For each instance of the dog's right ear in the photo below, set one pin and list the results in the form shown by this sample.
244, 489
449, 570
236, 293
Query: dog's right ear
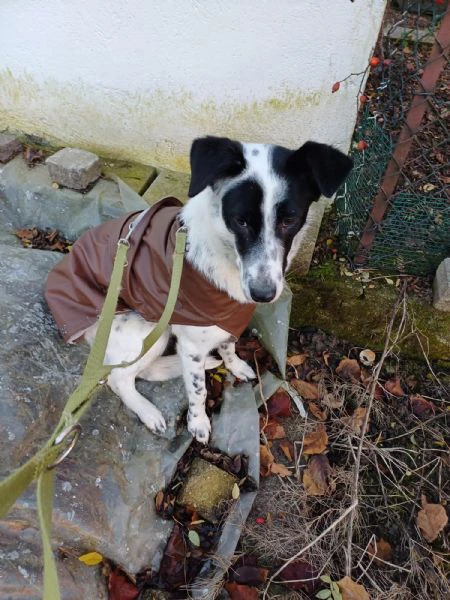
214, 158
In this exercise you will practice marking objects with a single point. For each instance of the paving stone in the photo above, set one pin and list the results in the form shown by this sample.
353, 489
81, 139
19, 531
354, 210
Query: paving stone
168, 183
28, 199
135, 175
441, 286
9, 146
206, 486
74, 168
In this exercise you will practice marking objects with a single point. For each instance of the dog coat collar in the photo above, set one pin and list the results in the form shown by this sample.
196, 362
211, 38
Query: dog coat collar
76, 287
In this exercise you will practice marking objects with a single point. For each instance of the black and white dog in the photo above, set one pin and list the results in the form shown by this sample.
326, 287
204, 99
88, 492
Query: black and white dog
248, 204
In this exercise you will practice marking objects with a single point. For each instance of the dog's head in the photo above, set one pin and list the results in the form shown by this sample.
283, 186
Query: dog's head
264, 193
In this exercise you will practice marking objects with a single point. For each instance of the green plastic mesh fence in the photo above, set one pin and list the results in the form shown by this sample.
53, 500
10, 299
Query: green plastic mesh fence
414, 236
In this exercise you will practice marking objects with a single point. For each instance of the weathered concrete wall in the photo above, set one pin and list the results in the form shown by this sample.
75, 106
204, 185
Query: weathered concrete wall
140, 79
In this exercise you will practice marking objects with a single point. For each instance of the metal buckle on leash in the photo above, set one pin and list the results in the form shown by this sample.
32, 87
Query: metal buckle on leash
74, 432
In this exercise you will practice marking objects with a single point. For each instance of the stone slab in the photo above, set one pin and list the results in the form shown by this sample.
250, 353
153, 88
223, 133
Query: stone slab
138, 177
104, 494
9, 146
168, 183
441, 286
74, 168
30, 200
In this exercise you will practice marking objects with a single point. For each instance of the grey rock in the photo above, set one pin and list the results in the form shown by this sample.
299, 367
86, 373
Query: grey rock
29, 200
9, 146
74, 168
21, 570
441, 286
104, 496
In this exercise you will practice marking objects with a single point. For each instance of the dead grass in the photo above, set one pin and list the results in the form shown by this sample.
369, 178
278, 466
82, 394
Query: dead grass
399, 458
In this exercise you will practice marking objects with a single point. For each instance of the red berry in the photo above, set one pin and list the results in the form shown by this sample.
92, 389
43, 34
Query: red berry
362, 145
374, 61
335, 87
260, 520
387, 62
363, 99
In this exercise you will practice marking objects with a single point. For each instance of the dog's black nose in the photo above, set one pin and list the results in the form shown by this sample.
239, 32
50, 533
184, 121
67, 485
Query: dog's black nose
263, 294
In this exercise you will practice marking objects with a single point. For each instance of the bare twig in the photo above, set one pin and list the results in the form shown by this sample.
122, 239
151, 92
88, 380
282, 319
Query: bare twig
334, 524
388, 345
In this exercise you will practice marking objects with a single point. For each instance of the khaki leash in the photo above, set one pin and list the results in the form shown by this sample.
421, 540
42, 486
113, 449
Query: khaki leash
41, 466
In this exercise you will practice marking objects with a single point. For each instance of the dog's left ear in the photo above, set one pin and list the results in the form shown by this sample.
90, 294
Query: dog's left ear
214, 158
327, 166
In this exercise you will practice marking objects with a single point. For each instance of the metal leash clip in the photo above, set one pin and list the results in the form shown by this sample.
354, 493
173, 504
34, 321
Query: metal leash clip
74, 432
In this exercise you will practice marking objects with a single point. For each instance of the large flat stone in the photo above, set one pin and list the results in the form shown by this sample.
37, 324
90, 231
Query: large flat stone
168, 183
138, 177
441, 286
30, 200
105, 488
9, 146
74, 168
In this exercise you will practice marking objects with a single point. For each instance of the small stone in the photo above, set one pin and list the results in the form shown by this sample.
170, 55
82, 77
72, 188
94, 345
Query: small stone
74, 168
9, 146
441, 286
206, 486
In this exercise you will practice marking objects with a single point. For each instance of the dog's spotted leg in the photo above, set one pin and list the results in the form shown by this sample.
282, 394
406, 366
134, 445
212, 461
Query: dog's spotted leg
193, 361
233, 363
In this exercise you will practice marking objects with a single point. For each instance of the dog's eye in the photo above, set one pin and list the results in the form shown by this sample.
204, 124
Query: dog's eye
240, 221
288, 221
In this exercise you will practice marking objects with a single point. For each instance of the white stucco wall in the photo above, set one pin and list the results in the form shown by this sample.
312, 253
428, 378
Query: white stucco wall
141, 78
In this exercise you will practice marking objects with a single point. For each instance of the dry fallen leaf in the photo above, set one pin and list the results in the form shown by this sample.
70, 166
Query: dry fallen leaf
268, 465
317, 411
237, 591
351, 590
308, 391
273, 430
120, 587
393, 387
288, 450
296, 360
420, 406
299, 570
331, 401
279, 404
349, 369
316, 442
431, 520
383, 551
356, 420
316, 477
91, 558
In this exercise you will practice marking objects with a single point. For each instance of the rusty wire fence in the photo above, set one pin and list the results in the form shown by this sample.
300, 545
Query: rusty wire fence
394, 211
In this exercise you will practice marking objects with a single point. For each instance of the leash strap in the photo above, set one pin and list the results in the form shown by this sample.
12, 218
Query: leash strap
40, 466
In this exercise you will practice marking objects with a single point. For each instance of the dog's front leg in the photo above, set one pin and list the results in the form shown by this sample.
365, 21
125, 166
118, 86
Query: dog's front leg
233, 363
193, 347
193, 365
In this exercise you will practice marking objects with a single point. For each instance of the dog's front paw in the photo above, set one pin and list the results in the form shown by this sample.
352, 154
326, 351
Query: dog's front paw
199, 425
240, 369
153, 419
